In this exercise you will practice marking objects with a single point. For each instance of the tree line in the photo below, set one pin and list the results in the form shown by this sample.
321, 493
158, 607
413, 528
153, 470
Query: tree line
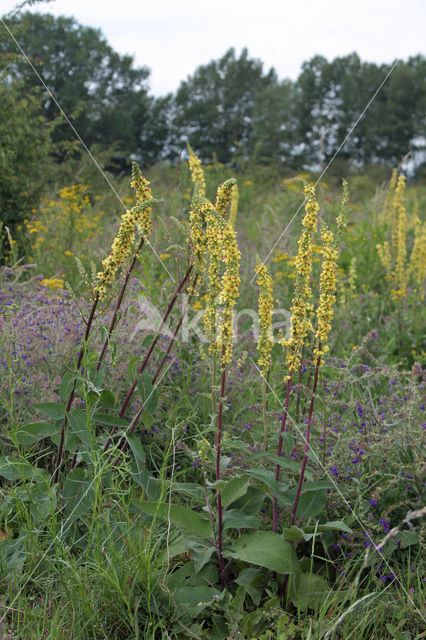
230, 109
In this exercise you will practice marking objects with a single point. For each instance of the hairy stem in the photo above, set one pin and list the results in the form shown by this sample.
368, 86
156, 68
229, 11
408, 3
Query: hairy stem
219, 497
308, 433
141, 369
72, 392
279, 451
118, 304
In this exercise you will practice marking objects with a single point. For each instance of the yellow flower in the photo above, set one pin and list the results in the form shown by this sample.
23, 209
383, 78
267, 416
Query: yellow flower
138, 217
266, 303
301, 307
234, 205
197, 172
327, 292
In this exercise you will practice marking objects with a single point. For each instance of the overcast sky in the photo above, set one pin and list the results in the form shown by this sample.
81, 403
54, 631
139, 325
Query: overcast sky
173, 37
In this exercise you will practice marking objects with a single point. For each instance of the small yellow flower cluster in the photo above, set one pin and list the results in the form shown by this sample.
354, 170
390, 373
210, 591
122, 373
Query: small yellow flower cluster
266, 303
388, 206
418, 256
204, 447
214, 248
197, 231
233, 210
393, 255
53, 283
327, 292
143, 193
399, 233
223, 196
197, 172
341, 218
301, 307
121, 248
230, 286
64, 226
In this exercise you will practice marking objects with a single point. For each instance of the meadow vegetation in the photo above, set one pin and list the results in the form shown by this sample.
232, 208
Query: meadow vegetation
169, 472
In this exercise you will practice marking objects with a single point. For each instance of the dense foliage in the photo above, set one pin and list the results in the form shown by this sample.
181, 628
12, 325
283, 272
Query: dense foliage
230, 108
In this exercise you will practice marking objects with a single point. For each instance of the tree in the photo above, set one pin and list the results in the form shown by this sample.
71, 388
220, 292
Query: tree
214, 107
101, 91
25, 145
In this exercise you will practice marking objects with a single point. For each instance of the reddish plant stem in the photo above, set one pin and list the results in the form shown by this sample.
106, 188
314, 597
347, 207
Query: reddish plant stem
112, 324
71, 396
219, 496
124, 443
156, 338
149, 352
308, 433
118, 304
279, 450
176, 331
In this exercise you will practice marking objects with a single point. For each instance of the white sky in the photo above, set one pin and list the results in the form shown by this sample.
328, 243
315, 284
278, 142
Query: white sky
173, 37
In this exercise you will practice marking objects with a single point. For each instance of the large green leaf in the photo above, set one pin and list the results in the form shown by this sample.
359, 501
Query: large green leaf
265, 549
54, 410
15, 469
336, 525
33, 432
180, 516
79, 425
311, 591
66, 386
268, 478
148, 394
191, 489
235, 488
253, 580
109, 421
79, 494
151, 485
311, 502
137, 449
236, 519
251, 502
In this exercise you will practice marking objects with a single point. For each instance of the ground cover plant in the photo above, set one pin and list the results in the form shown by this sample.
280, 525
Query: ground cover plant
206, 438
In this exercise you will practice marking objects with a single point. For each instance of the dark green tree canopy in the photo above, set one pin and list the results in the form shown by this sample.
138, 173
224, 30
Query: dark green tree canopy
213, 109
227, 109
101, 91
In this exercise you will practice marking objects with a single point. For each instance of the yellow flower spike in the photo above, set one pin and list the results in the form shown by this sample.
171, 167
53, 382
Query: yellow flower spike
301, 307
234, 205
352, 276
327, 292
223, 196
230, 284
397, 209
388, 206
214, 243
196, 223
266, 303
122, 245
143, 194
197, 172
341, 218
418, 257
